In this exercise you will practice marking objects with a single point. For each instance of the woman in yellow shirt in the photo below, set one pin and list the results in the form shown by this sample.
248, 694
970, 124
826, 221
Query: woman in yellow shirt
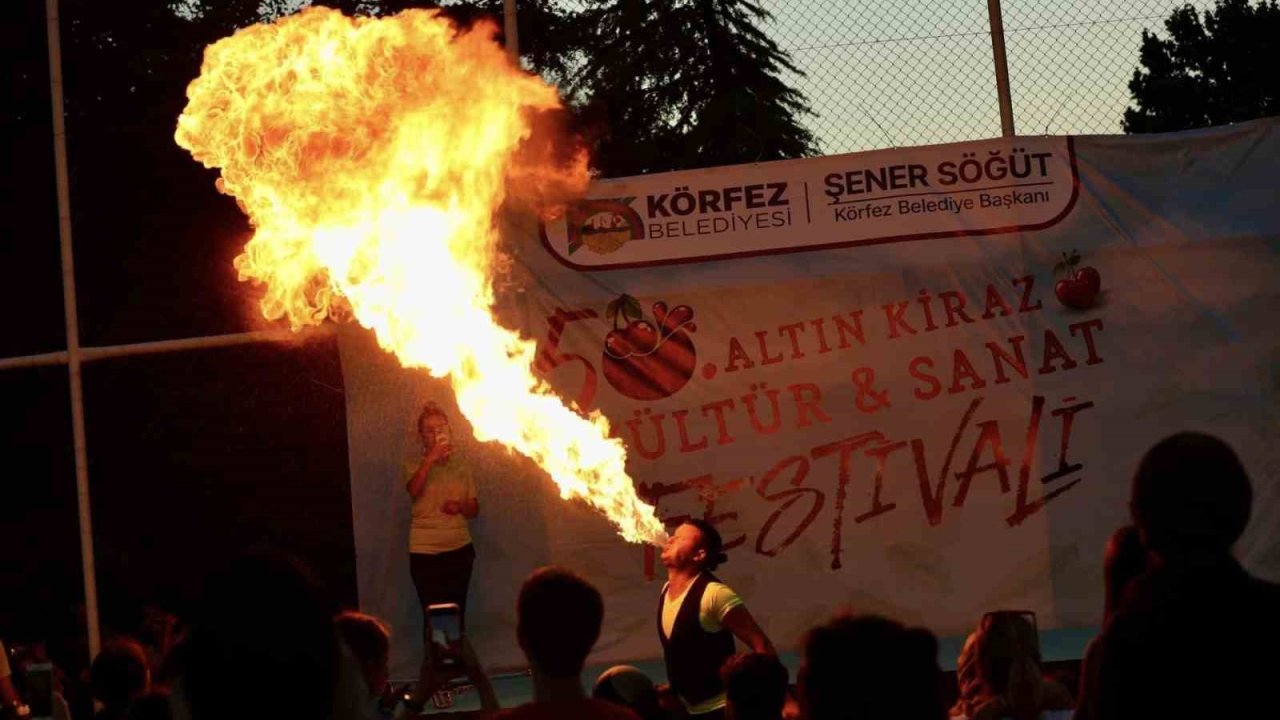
444, 499
440, 552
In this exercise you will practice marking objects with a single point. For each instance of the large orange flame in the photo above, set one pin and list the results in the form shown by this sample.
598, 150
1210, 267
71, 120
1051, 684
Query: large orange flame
372, 156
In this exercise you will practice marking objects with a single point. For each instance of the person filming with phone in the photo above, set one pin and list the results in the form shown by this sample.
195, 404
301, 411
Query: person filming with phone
441, 555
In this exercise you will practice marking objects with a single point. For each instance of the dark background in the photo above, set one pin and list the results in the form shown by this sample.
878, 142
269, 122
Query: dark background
194, 456
198, 455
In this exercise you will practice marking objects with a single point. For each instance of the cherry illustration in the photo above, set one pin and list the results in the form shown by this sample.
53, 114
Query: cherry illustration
1080, 288
670, 322
1092, 277
637, 338
648, 361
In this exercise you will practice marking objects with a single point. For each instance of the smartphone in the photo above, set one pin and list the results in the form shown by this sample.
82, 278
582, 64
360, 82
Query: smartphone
446, 623
39, 677
442, 437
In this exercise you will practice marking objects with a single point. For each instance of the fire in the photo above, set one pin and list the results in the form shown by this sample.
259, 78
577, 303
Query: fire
372, 157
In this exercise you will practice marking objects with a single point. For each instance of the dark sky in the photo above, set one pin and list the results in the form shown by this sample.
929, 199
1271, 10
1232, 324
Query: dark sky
193, 456
29, 252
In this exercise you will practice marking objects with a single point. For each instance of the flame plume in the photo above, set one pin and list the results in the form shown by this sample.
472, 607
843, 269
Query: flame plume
372, 157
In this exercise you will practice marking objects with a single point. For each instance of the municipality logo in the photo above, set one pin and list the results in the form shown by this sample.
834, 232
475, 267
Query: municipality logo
602, 225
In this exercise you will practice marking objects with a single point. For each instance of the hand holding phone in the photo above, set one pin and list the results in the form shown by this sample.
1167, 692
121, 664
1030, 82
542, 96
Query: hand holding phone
441, 444
445, 620
39, 677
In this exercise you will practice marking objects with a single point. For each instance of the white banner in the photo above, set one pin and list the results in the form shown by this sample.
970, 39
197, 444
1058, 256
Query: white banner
888, 196
912, 382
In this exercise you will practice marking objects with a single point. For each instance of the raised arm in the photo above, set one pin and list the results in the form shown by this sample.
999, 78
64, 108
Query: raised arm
418, 481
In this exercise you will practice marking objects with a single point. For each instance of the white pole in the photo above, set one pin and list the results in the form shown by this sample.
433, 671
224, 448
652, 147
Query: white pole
162, 346
89, 354
510, 30
73, 331
27, 361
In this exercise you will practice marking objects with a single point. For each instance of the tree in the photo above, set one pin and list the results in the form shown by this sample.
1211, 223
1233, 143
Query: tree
548, 33
1211, 72
672, 84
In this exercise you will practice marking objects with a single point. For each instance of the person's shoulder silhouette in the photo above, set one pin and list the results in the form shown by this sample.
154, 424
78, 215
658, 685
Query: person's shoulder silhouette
1178, 644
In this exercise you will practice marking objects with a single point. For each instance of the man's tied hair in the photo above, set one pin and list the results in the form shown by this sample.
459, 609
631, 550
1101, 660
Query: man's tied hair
711, 542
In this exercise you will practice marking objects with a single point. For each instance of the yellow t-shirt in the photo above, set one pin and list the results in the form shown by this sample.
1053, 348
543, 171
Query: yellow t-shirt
432, 531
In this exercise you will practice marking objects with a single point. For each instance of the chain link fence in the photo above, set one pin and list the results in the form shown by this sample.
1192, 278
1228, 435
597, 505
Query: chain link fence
893, 73
886, 73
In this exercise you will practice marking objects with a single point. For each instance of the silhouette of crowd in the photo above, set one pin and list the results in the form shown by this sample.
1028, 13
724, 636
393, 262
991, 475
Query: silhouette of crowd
1187, 632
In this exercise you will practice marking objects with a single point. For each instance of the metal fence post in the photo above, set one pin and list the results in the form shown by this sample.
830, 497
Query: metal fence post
73, 357
510, 30
1002, 67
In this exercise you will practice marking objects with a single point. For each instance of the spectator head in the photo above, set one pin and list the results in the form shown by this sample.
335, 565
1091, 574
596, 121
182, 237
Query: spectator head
558, 621
695, 545
629, 687
870, 667
755, 687
1190, 495
1125, 561
369, 640
1009, 661
262, 645
119, 674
